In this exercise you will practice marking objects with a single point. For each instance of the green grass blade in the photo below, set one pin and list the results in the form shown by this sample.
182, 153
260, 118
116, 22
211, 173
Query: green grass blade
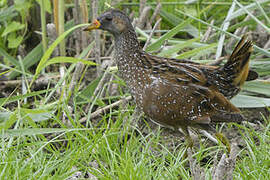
175, 20
9, 58
21, 97
261, 87
31, 132
197, 51
65, 59
87, 92
157, 44
49, 51
263, 12
249, 7
176, 48
263, 51
29, 60
253, 17
244, 101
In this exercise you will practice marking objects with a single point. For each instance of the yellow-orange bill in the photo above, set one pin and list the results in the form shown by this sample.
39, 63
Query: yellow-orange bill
94, 25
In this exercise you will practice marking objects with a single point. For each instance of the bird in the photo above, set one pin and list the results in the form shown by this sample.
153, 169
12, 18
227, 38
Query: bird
177, 93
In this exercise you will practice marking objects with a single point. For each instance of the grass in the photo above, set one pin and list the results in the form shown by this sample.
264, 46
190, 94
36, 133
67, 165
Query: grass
116, 150
41, 133
255, 157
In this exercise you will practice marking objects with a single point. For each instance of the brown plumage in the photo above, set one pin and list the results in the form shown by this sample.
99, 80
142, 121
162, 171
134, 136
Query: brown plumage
174, 92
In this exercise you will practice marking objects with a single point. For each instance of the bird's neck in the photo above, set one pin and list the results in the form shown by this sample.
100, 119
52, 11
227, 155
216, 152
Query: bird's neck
127, 42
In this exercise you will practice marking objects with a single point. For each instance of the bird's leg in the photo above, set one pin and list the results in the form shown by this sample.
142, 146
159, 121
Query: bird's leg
224, 140
137, 114
189, 143
219, 136
188, 139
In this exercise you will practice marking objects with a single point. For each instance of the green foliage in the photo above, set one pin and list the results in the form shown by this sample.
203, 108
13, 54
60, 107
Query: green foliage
13, 31
45, 133
43, 62
175, 20
13, 26
23, 7
86, 93
47, 6
254, 163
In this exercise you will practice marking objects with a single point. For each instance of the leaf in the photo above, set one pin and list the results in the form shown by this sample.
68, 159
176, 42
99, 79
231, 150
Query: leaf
29, 60
88, 91
197, 51
13, 26
20, 97
11, 59
47, 5
7, 13
225, 26
176, 48
38, 115
31, 131
253, 17
23, 6
35, 55
261, 66
228, 33
4, 116
9, 122
249, 7
13, 41
59, 83
64, 59
244, 101
158, 43
49, 51
28, 115
86, 50
175, 20
261, 87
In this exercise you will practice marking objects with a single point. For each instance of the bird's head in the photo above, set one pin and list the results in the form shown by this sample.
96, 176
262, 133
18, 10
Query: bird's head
113, 21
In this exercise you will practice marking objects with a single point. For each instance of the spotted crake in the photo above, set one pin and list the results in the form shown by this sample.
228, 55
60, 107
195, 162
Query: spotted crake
174, 92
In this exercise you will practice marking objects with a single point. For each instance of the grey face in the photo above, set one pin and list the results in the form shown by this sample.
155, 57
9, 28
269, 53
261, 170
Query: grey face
114, 21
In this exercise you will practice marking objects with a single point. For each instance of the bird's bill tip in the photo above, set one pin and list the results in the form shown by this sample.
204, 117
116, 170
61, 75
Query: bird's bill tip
94, 25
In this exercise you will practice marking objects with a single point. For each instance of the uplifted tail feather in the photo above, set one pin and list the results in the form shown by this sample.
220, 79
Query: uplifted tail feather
237, 66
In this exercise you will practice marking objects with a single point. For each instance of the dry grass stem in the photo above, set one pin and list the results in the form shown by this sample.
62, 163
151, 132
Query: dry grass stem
208, 32
103, 110
151, 34
156, 13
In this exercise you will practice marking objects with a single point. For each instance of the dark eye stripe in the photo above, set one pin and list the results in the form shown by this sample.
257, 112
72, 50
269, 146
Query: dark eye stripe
108, 17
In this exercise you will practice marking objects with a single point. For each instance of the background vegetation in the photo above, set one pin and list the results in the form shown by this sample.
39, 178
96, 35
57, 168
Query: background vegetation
65, 115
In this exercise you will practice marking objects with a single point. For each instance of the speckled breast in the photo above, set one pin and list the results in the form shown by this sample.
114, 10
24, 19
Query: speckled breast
136, 76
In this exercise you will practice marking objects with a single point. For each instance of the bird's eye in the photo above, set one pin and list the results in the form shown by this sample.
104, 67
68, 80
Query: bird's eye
109, 17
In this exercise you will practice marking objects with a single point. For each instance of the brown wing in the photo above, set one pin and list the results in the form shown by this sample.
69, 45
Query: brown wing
181, 95
184, 71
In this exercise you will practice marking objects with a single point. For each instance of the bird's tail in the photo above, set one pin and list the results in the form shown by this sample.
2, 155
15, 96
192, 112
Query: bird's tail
237, 66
